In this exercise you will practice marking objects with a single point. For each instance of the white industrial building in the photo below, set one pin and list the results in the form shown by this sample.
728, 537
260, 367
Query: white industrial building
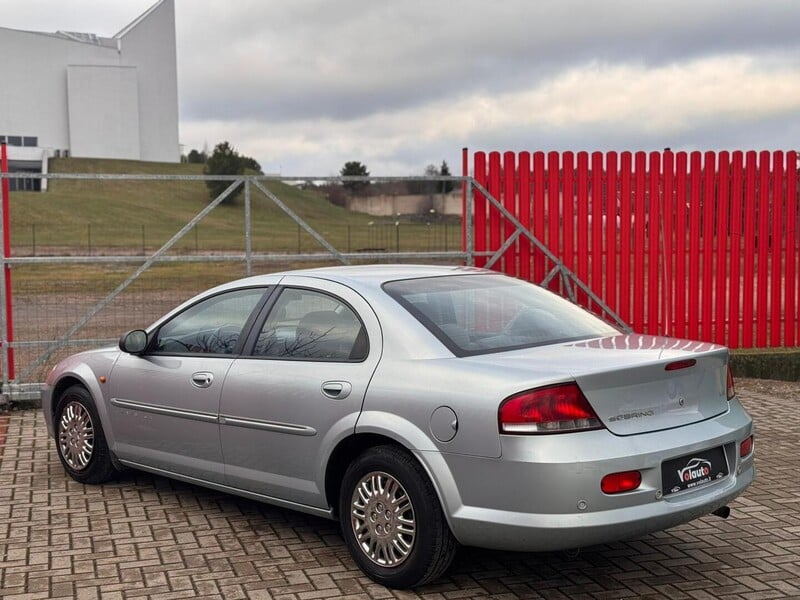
83, 95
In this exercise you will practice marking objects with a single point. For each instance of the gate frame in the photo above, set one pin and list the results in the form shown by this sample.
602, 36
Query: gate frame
11, 390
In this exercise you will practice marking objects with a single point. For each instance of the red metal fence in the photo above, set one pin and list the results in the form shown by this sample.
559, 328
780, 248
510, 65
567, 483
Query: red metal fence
696, 245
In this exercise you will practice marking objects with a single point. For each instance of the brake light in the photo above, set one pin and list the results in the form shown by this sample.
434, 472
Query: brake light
681, 364
746, 447
616, 483
731, 391
553, 409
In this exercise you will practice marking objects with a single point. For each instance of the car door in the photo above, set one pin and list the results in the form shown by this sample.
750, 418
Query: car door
164, 403
299, 390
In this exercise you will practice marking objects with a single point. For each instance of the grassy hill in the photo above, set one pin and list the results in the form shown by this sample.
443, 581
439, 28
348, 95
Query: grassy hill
76, 216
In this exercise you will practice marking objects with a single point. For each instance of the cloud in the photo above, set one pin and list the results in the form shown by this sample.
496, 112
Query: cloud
304, 86
592, 106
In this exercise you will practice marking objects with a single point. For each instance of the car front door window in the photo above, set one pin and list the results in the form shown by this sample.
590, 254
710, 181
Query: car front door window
212, 326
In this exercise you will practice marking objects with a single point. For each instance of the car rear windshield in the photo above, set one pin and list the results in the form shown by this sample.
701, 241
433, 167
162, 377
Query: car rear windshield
479, 314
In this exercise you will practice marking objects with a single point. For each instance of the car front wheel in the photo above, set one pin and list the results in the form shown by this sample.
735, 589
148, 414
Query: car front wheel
392, 521
80, 439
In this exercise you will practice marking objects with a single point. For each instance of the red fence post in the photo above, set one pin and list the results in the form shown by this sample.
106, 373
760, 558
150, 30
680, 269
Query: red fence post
639, 225
525, 247
668, 212
654, 258
568, 208
762, 269
480, 208
776, 245
612, 225
695, 211
709, 199
790, 307
720, 281
749, 231
495, 218
626, 169
508, 262
554, 211
9, 307
734, 281
538, 214
583, 224
681, 205
596, 258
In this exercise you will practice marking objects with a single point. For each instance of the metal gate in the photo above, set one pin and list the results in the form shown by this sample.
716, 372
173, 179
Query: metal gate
58, 315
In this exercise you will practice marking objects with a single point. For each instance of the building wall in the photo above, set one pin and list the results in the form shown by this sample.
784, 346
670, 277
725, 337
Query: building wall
150, 46
36, 98
33, 100
103, 111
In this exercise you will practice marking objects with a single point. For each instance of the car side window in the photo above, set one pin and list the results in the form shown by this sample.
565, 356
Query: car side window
308, 325
212, 326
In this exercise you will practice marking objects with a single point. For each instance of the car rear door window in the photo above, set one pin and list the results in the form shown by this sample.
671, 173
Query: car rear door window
309, 325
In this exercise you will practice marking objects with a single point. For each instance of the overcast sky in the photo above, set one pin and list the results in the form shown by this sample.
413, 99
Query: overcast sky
303, 86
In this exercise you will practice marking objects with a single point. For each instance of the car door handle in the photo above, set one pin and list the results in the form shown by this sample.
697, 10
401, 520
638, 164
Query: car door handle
336, 390
202, 379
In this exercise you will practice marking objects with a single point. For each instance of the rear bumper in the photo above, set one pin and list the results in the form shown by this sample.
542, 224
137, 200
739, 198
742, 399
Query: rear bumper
544, 492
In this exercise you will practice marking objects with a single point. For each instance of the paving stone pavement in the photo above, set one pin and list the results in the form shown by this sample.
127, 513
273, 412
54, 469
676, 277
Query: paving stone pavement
148, 537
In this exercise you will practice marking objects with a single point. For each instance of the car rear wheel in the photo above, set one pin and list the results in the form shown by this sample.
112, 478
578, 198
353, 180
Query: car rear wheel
392, 521
80, 440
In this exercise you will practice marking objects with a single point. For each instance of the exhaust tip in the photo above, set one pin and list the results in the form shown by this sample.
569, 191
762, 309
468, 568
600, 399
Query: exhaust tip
723, 511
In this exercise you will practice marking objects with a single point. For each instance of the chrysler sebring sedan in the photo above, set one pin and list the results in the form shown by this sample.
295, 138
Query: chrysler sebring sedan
421, 406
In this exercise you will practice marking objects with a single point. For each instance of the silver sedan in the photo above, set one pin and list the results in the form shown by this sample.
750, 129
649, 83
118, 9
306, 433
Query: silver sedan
420, 406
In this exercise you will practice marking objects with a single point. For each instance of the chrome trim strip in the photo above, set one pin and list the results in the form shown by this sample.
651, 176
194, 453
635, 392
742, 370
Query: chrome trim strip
164, 410
289, 428
313, 510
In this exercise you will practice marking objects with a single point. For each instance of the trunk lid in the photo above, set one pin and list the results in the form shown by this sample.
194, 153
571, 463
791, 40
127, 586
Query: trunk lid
626, 381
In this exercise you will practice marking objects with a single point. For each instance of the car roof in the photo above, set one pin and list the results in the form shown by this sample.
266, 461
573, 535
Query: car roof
365, 276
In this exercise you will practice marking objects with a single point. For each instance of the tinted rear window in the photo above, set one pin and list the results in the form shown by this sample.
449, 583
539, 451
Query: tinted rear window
479, 314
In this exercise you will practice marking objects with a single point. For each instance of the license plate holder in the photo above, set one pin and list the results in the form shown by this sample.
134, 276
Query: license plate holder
694, 470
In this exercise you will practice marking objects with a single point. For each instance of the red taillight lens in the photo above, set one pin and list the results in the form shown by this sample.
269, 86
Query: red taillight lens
681, 364
746, 447
616, 483
731, 391
553, 409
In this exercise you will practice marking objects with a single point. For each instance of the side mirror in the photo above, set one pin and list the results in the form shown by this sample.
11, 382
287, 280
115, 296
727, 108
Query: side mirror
133, 342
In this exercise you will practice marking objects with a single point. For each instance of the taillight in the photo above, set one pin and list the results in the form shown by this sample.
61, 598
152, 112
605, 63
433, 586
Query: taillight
731, 391
746, 447
554, 409
616, 483
681, 364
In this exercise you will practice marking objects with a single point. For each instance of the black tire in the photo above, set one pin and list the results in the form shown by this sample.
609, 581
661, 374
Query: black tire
426, 552
80, 441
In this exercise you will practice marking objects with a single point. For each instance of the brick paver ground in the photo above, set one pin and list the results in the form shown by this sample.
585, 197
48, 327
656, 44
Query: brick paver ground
146, 536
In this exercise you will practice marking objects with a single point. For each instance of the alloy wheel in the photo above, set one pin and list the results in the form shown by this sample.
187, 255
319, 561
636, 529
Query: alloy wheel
76, 436
382, 518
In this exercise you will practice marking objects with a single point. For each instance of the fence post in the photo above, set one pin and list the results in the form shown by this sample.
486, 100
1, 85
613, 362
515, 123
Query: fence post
248, 248
7, 317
